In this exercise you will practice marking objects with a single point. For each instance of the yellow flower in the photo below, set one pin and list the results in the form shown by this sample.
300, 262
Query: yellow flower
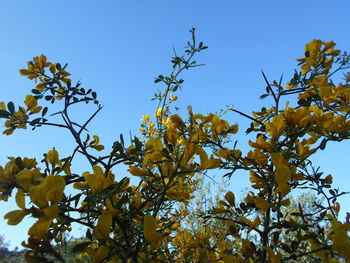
2, 106
138, 172
283, 174
151, 235
95, 145
262, 204
103, 227
53, 158
15, 217
340, 237
283, 189
49, 190
40, 228
32, 104
210, 164
145, 118
20, 199
154, 144
176, 119
328, 179
98, 181
51, 211
172, 98
26, 177
274, 258
276, 127
159, 112
224, 246
252, 224
100, 254
230, 197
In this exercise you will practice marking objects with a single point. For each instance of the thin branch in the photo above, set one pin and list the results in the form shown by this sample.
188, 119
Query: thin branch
247, 116
87, 122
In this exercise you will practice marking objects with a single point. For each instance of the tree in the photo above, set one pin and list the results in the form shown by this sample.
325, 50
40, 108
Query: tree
142, 222
8, 256
198, 221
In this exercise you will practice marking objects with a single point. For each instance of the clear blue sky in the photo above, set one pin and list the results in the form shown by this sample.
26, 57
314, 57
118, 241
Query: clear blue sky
118, 47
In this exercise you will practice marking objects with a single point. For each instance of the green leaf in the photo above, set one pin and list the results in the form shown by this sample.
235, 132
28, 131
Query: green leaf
43, 113
80, 247
286, 248
4, 114
11, 107
19, 163
76, 200
88, 234
35, 91
122, 139
138, 144
35, 121
323, 144
302, 102
264, 96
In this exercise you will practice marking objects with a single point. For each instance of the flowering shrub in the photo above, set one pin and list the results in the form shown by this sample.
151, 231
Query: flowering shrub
142, 222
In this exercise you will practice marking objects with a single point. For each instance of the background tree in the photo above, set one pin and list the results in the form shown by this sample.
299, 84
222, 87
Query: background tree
8, 256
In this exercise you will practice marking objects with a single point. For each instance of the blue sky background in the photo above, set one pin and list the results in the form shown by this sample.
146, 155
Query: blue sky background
118, 47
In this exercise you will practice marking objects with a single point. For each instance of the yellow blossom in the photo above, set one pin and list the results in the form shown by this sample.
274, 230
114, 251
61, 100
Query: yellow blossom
145, 118
40, 228
15, 217
103, 227
152, 236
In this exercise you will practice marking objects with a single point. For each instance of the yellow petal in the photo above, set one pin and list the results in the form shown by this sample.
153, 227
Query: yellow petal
15, 217
103, 227
210, 164
274, 258
98, 147
262, 204
96, 139
52, 157
51, 211
202, 155
101, 254
40, 228
66, 168
150, 232
230, 197
283, 174
20, 199
137, 171
38, 196
36, 109
2, 106
54, 186
31, 102
220, 210
176, 119
283, 189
